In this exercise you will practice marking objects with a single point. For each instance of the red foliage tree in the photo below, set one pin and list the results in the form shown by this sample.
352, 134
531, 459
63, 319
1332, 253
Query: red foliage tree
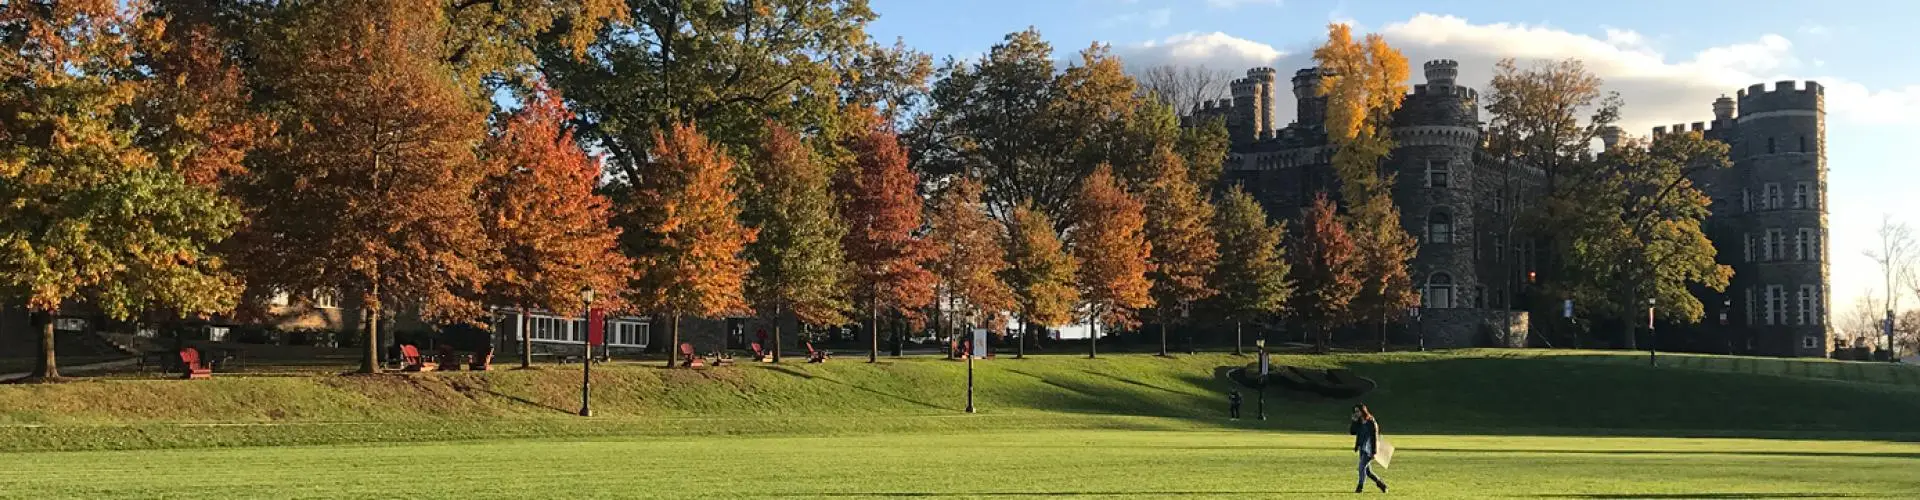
1325, 271
882, 208
1109, 239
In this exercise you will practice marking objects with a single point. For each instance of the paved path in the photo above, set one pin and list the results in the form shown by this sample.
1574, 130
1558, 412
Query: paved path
104, 365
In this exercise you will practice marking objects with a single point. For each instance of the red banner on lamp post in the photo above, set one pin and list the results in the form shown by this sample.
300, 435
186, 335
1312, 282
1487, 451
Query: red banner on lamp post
596, 326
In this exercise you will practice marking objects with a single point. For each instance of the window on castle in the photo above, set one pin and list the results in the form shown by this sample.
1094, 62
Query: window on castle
1803, 246
1776, 305
1800, 195
1806, 304
1773, 197
1479, 297
1749, 306
1749, 252
1499, 249
326, 299
1810, 342
1439, 292
1770, 146
1746, 200
1776, 245
1803, 144
1439, 227
1437, 171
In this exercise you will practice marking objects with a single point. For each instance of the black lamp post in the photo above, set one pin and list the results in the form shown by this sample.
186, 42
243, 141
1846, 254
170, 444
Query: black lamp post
586, 361
1261, 344
1420, 327
969, 355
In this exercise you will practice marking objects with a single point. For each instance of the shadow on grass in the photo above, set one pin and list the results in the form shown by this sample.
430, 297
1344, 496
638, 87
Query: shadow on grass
1711, 495
1751, 453
1134, 493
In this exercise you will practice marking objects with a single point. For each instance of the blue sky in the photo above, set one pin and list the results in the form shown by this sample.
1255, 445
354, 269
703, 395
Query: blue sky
1669, 59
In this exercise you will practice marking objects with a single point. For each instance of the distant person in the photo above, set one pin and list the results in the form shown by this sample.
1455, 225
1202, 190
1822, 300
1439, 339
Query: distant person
1233, 404
1366, 440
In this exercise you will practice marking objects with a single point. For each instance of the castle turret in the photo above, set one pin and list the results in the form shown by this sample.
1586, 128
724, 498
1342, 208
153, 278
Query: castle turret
1310, 107
1264, 106
1776, 234
1723, 108
1610, 137
1441, 72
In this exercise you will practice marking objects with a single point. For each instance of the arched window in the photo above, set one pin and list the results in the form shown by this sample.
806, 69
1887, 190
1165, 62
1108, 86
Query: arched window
1439, 292
1439, 227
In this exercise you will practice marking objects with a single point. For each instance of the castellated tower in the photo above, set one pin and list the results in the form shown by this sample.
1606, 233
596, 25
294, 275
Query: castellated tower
1251, 117
1310, 108
1779, 165
1439, 190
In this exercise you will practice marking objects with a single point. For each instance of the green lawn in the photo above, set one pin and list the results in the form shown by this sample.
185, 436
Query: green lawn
1087, 463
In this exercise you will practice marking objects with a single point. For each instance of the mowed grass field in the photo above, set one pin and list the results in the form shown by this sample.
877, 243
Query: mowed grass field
1082, 464
1469, 424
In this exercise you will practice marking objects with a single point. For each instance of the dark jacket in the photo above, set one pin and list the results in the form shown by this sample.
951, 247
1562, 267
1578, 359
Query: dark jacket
1364, 434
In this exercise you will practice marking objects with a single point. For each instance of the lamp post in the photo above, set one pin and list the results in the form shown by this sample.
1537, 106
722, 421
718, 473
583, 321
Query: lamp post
1418, 326
969, 355
1653, 337
586, 362
1261, 344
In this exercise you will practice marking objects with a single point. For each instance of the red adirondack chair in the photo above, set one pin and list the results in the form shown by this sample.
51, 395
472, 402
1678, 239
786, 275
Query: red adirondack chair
190, 363
816, 356
760, 353
689, 359
412, 362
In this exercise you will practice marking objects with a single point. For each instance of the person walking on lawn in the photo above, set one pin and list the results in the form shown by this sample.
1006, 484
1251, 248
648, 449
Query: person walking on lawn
1366, 440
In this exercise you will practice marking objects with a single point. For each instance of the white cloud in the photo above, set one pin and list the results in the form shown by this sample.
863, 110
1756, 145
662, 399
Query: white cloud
1816, 30
1156, 18
1659, 88
1214, 50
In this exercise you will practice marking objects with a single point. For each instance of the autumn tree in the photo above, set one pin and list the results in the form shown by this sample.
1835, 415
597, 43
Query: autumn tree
1109, 240
1640, 235
1041, 273
882, 209
727, 66
196, 116
1545, 116
690, 244
540, 209
371, 191
797, 258
970, 255
86, 213
1031, 130
1364, 85
1179, 223
1325, 269
1253, 272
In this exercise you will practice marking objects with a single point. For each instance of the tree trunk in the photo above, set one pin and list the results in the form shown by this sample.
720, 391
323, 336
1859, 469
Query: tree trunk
526, 340
1237, 340
372, 362
873, 331
776, 335
1383, 335
1020, 349
673, 347
1163, 332
45, 368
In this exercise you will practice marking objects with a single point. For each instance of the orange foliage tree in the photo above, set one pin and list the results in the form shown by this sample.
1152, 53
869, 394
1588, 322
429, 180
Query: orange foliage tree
197, 119
541, 210
1324, 269
1109, 239
1042, 273
691, 240
373, 191
1180, 223
971, 257
882, 208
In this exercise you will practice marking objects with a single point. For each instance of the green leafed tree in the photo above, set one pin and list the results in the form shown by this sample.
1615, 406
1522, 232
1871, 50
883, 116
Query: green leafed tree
87, 216
798, 262
1252, 276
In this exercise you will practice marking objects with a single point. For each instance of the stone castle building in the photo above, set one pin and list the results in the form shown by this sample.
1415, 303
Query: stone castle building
1769, 220
1460, 203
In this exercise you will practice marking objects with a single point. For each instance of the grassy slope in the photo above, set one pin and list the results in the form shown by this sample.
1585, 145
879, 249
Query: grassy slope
1474, 392
1096, 464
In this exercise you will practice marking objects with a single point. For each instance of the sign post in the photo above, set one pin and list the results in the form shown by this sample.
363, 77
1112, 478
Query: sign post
1265, 366
593, 336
